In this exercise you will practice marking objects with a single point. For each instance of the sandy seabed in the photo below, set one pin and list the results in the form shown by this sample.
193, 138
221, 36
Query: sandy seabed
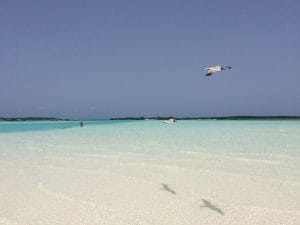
56, 181
134, 189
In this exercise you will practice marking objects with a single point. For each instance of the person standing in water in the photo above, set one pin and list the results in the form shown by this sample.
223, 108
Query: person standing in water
81, 124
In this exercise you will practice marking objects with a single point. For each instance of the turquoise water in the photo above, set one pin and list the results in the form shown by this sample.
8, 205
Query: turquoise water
55, 170
155, 137
6, 127
254, 148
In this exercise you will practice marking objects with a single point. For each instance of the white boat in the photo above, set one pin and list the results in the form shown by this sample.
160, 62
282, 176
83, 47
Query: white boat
171, 120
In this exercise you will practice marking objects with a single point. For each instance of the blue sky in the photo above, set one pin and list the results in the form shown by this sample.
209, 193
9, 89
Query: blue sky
100, 59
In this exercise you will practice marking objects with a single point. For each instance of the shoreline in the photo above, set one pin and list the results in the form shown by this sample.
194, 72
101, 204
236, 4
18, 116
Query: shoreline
212, 118
22, 119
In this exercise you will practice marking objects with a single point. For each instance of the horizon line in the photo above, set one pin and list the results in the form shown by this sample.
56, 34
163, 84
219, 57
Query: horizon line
148, 117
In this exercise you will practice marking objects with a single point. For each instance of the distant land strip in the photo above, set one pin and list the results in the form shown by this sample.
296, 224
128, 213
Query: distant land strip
212, 118
32, 119
161, 118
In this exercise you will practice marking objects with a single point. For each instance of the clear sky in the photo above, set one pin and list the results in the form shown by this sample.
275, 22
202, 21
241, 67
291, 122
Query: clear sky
100, 59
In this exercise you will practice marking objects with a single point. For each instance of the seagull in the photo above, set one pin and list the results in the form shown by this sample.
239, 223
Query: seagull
213, 69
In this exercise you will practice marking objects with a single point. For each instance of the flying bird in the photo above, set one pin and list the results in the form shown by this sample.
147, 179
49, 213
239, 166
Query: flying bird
213, 69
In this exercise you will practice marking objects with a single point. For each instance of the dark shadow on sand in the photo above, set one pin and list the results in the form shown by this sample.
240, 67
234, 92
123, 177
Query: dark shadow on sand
165, 187
209, 205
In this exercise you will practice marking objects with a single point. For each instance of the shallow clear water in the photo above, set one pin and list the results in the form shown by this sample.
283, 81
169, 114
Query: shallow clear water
59, 171
155, 137
24, 126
